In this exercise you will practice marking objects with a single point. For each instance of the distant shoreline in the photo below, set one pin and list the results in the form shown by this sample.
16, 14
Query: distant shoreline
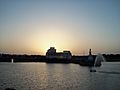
41, 58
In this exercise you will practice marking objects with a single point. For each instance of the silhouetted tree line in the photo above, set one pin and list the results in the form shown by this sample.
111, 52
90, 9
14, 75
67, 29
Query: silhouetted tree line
40, 58
21, 58
112, 57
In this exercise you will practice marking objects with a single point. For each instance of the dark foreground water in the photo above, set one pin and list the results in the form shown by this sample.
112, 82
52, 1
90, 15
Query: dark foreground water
42, 76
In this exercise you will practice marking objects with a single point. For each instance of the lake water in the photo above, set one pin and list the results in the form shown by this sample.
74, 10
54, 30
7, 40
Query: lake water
42, 76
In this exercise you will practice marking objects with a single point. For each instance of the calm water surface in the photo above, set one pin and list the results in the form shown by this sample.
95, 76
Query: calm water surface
42, 76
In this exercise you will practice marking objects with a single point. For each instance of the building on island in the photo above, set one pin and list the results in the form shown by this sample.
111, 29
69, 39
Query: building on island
51, 54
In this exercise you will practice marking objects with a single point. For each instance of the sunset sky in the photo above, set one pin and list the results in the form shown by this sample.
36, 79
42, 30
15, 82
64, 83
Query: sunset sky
32, 26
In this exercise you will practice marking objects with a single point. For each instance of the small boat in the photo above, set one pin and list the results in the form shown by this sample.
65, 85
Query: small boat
10, 89
92, 70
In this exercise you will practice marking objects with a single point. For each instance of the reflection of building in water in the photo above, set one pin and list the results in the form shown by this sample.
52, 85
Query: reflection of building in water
51, 53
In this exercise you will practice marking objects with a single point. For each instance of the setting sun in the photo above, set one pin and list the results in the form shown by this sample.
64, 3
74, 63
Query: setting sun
54, 37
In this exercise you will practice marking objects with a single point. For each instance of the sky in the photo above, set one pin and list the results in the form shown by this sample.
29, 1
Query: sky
33, 26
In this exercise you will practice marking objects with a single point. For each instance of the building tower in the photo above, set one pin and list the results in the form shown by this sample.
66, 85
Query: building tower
90, 57
90, 52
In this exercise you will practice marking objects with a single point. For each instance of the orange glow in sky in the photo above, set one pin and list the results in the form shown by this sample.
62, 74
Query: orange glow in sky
32, 27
